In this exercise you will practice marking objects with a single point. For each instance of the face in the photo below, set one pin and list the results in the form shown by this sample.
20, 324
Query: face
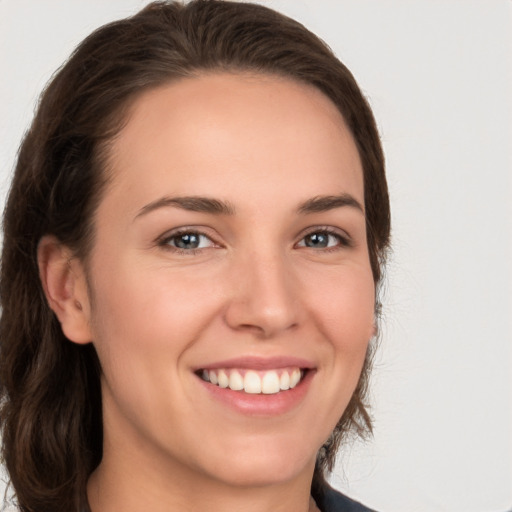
230, 286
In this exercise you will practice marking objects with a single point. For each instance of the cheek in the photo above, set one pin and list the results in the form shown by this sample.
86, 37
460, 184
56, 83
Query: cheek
345, 305
145, 305
344, 314
144, 321
145, 316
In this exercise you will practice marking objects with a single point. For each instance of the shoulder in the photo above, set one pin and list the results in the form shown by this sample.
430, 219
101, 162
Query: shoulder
331, 500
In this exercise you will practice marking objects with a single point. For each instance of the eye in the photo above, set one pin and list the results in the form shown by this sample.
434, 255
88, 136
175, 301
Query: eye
323, 239
187, 241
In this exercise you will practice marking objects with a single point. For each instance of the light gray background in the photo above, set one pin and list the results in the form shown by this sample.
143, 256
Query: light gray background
438, 74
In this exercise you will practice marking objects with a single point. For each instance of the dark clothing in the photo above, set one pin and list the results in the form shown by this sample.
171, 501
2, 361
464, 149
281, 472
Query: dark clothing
333, 501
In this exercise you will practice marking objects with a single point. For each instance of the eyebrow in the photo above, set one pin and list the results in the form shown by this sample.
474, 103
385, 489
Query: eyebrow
316, 204
320, 204
190, 203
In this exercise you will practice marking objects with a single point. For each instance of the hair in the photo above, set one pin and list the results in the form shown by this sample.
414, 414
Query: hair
50, 408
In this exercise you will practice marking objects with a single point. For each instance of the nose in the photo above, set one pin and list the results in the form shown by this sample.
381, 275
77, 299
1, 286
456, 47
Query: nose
264, 298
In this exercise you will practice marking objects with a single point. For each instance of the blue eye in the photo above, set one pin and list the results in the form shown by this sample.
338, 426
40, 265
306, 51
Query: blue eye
323, 240
188, 240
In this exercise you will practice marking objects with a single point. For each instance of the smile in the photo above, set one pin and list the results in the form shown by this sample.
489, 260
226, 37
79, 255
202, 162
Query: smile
254, 382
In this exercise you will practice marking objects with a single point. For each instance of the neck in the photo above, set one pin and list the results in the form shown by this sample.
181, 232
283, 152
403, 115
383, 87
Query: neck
107, 493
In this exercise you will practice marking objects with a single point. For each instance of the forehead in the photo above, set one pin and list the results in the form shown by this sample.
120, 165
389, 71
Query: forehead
213, 131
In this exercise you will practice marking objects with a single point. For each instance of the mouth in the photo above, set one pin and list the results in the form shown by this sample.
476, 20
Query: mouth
254, 382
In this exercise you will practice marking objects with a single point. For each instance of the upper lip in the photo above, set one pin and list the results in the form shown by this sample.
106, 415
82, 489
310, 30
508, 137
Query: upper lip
260, 363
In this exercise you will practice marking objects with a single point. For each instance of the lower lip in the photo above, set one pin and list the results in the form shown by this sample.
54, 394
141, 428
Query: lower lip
261, 404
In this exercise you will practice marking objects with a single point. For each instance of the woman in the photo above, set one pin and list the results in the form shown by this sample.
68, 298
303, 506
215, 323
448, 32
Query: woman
193, 243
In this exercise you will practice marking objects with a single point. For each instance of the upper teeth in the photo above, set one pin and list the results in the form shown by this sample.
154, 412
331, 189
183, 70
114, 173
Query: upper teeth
254, 382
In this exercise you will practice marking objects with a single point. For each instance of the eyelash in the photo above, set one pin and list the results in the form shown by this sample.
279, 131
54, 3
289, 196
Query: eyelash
165, 241
344, 241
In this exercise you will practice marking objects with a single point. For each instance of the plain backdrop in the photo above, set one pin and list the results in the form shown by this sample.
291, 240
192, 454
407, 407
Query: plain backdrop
438, 74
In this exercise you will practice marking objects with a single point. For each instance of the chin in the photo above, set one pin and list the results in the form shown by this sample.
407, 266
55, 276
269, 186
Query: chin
272, 464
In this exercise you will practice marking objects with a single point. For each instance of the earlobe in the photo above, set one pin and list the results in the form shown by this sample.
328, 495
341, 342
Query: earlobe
65, 287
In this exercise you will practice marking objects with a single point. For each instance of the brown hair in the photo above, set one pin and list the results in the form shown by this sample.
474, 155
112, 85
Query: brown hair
50, 392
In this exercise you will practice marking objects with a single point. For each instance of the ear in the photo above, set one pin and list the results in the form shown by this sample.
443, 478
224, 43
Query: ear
63, 279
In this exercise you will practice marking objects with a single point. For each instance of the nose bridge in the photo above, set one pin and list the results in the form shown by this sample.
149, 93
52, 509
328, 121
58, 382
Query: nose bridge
263, 298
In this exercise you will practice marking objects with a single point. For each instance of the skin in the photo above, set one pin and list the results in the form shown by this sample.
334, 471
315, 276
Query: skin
255, 287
